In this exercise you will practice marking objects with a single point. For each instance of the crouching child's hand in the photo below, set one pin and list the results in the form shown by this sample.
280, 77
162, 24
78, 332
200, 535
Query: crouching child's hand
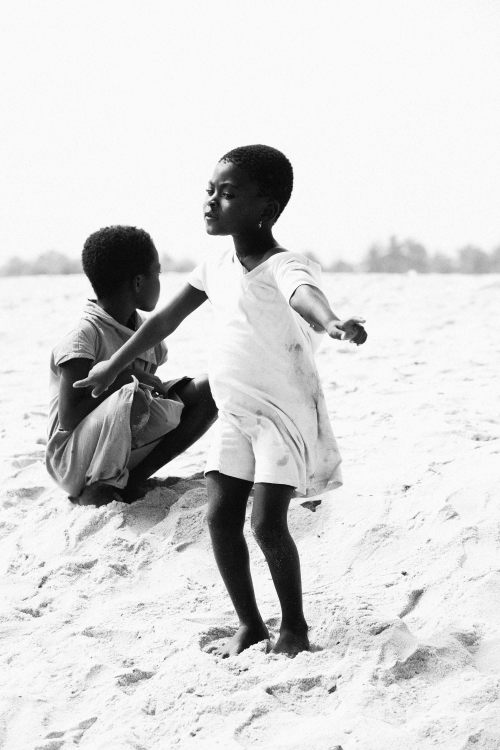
151, 380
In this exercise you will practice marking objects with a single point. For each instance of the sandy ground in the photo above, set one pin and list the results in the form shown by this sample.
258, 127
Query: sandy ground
106, 614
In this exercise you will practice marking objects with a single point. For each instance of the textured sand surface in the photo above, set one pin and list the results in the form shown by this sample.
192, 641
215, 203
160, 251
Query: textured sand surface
106, 614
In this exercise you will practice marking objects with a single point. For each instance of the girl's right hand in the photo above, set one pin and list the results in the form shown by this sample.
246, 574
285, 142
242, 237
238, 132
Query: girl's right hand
101, 376
351, 330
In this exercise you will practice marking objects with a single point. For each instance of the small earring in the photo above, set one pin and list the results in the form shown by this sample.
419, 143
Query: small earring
260, 224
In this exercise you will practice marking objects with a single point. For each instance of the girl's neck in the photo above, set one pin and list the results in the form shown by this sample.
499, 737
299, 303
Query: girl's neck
253, 249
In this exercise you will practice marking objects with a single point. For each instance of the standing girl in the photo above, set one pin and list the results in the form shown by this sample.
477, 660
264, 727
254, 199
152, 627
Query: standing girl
273, 431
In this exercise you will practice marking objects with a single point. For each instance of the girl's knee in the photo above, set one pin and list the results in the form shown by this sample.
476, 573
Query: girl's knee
268, 534
214, 518
223, 524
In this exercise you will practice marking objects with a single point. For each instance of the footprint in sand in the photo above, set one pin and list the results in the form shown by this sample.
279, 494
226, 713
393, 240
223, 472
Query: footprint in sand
289, 692
89, 522
257, 730
26, 493
403, 657
132, 678
41, 609
56, 739
21, 460
215, 637
348, 623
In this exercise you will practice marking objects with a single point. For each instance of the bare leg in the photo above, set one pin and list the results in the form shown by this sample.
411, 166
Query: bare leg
198, 414
269, 524
227, 500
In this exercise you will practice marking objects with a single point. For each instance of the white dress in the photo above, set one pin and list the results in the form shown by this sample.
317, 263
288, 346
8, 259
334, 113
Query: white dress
262, 370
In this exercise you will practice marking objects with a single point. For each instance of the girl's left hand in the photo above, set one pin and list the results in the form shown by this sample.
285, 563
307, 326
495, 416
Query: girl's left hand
348, 330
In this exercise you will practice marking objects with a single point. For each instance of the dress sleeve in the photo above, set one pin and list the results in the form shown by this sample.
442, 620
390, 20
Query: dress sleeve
197, 277
293, 270
80, 343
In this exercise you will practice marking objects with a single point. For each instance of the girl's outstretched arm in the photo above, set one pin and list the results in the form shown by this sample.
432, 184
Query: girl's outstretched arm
160, 325
310, 302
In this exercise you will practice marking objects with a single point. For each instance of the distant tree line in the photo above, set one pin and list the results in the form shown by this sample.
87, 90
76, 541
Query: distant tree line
401, 256
53, 263
50, 262
396, 256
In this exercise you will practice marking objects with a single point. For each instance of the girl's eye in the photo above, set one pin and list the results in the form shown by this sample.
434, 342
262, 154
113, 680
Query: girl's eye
209, 191
228, 195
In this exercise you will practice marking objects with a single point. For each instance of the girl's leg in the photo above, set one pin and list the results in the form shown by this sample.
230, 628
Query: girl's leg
269, 525
227, 501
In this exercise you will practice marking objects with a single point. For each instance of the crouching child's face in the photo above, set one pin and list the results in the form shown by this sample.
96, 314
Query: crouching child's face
122, 264
147, 285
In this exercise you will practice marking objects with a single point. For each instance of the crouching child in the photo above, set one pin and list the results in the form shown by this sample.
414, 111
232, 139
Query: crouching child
103, 449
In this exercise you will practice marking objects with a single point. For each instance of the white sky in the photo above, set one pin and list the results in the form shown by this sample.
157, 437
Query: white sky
116, 111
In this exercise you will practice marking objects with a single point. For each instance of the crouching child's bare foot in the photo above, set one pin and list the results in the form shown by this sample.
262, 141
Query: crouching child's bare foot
98, 494
291, 642
135, 490
245, 636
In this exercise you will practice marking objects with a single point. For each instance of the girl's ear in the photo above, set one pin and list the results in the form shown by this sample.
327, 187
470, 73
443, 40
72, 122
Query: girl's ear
271, 211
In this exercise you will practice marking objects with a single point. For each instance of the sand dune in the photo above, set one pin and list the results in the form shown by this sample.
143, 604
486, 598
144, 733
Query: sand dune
108, 615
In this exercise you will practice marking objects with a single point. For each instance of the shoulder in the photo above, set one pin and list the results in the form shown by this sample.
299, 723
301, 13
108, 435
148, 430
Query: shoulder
292, 258
213, 265
287, 262
291, 270
80, 342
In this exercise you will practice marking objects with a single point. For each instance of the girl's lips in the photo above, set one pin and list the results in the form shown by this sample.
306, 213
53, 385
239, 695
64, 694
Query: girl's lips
210, 217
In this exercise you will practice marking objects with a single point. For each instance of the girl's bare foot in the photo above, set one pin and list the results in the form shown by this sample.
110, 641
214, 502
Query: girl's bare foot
291, 643
244, 637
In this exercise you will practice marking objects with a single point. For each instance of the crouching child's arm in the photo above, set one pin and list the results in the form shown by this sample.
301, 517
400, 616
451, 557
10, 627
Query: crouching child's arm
310, 302
74, 404
160, 325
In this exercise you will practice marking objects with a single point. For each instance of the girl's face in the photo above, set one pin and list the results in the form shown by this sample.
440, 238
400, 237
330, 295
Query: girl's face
148, 289
233, 204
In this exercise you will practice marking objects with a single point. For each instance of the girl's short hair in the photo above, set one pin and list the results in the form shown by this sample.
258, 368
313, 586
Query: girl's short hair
114, 255
268, 167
